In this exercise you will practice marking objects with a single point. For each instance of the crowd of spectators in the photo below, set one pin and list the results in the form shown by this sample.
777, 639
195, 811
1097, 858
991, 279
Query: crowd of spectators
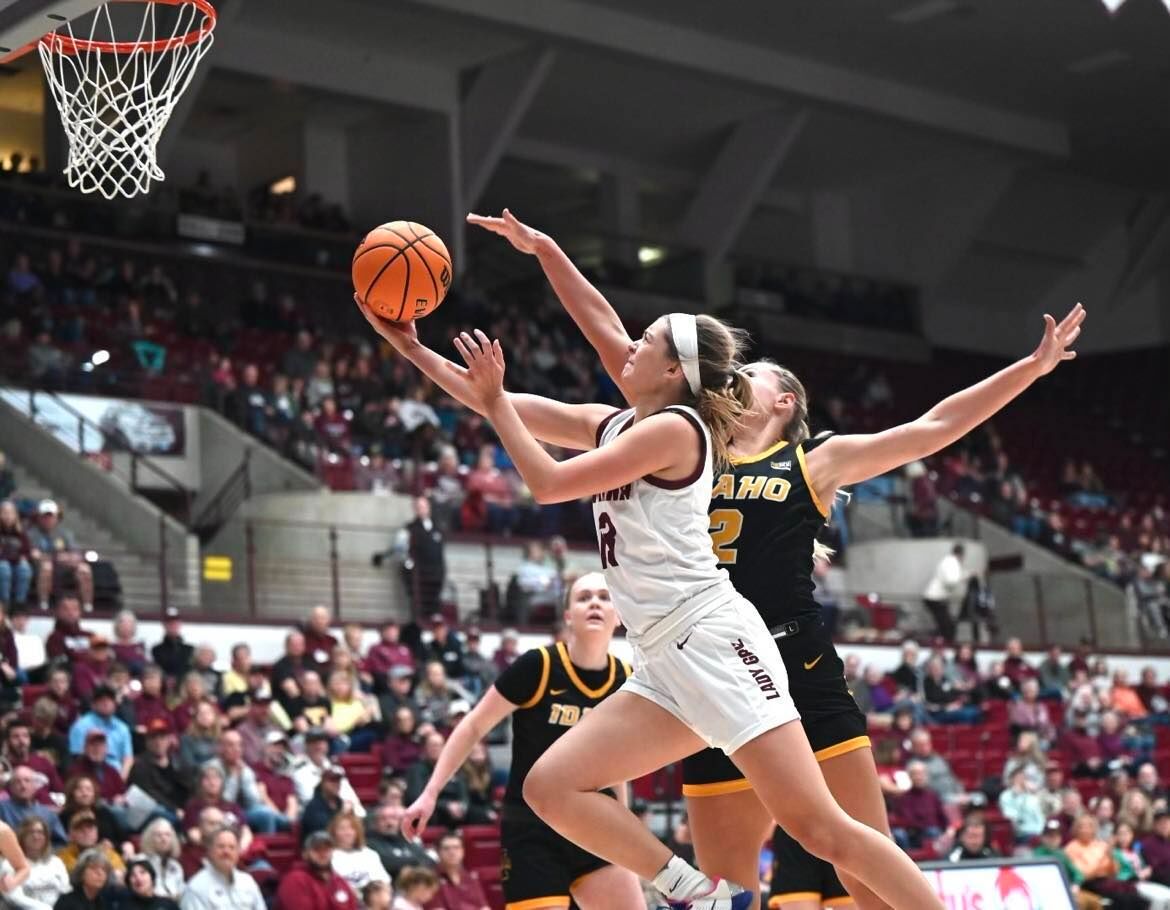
127, 755
1058, 757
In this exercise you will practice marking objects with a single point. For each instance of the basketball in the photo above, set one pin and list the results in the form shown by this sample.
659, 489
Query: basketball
401, 270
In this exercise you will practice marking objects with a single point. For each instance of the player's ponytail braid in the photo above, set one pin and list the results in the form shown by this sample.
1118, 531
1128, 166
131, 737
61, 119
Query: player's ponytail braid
725, 394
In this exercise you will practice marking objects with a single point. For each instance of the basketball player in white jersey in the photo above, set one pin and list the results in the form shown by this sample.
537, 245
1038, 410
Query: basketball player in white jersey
706, 671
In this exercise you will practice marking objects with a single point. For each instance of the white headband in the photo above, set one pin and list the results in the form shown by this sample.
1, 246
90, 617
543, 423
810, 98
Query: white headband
684, 329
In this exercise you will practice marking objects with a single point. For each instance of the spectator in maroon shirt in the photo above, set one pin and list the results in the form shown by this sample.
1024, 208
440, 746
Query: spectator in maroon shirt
92, 668
312, 884
68, 639
1156, 848
1015, 665
332, 426
94, 762
82, 796
388, 653
319, 643
129, 649
60, 693
1082, 753
401, 749
209, 794
274, 774
919, 812
150, 703
1111, 741
508, 651
18, 751
192, 693
458, 888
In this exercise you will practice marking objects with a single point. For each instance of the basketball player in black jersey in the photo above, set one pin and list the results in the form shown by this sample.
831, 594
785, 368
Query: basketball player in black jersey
546, 691
765, 515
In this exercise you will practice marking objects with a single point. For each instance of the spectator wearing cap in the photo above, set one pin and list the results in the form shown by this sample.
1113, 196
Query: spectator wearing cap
458, 888
387, 654
1156, 847
399, 692
478, 671
219, 884
312, 883
23, 785
325, 802
68, 641
92, 763
273, 774
396, 851
55, 546
101, 717
319, 641
128, 648
508, 651
311, 770
155, 775
452, 802
84, 835
1051, 839
257, 725
92, 668
18, 751
445, 646
141, 888
242, 788
172, 653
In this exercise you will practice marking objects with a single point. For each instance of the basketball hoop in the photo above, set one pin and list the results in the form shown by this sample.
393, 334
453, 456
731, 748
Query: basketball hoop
115, 97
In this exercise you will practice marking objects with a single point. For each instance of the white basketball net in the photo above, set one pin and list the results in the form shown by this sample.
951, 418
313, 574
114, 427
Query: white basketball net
114, 105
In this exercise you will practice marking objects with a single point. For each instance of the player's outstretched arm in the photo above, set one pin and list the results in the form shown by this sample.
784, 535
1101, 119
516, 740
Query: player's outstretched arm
490, 710
571, 425
662, 444
848, 459
597, 320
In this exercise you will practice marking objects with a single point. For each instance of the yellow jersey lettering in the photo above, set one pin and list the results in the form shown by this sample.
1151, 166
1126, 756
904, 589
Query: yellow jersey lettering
750, 487
777, 489
725, 488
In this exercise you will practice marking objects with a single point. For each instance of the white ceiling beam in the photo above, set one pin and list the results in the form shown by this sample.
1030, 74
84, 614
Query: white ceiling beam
584, 23
299, 60
736, 180
491, 111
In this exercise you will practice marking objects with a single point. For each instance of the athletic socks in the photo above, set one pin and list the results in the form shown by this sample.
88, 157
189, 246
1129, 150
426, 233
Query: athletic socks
679, 880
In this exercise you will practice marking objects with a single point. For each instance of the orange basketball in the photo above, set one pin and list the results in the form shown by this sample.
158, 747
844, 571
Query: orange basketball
401, 270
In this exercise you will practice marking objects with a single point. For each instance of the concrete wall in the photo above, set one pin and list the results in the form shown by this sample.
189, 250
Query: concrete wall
221, 451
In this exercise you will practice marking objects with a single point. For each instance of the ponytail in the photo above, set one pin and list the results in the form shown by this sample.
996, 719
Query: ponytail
722, 411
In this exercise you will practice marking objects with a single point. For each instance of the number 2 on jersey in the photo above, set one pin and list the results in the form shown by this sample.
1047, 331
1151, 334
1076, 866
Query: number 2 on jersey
607, 540
726, 526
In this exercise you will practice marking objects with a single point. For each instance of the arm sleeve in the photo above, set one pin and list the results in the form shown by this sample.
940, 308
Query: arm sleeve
522, 681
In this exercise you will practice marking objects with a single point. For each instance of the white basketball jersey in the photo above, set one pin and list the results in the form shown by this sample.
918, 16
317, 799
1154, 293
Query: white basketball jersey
654, 541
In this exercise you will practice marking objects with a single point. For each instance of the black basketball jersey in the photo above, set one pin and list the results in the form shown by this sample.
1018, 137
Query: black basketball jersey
551, 695
765, 516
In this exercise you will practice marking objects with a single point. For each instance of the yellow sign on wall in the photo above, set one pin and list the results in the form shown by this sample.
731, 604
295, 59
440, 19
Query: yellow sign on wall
217, 568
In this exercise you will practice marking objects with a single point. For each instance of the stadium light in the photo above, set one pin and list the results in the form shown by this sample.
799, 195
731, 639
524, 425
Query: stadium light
648, 255
1114, 5
100, 357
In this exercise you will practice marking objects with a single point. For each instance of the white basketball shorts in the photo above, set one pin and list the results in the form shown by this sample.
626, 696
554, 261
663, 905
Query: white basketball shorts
721, 675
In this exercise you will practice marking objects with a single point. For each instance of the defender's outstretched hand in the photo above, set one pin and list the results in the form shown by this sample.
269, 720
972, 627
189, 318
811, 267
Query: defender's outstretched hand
485, 364
1058, 338
515, 231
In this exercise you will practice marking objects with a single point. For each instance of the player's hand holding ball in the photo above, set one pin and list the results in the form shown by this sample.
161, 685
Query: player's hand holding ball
401, 271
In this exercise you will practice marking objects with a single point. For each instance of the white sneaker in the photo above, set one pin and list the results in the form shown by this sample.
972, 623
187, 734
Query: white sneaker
724, 896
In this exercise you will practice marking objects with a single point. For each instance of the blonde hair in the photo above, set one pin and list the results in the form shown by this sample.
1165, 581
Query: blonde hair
725, 393
796, 430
